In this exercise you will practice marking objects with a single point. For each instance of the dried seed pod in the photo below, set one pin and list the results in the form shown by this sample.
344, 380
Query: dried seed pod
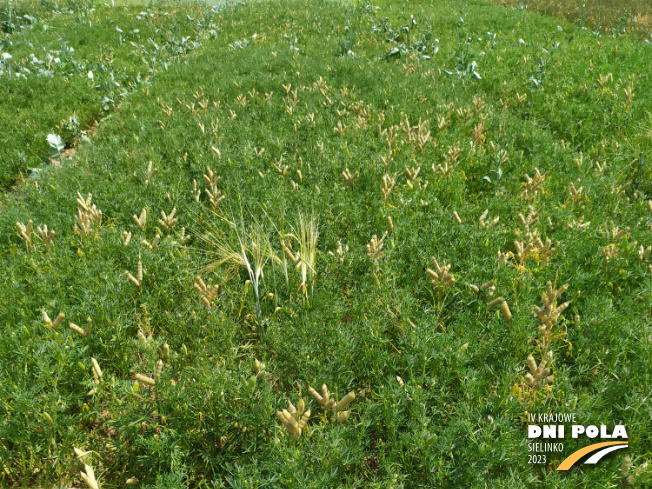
97, 371
89, 477
316, 395
345, 401
145, 380
343, 416
76, 328
475, 289
495, 302
504, 309
159, 369
486, 285
457, 217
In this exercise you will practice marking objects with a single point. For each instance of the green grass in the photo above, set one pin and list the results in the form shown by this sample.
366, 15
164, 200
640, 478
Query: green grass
434, 371
47, 80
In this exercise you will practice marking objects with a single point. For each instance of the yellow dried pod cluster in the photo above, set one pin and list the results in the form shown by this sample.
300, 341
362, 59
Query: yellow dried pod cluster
412, 174
97, 371
87, 332
53, 325
168, 221
487, 224
538, 372
388, 184
491, 288
26, 231
207, 292
294, 420
45, 235
350, 178
259, 369
340, 251
328, 403
87, 216
212, 179
375, 247
140, 220
150, 173
550, 313
154, 244
533, 185
136, 281
441, 278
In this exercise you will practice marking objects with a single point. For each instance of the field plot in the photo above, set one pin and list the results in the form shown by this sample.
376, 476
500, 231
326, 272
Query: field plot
324, 245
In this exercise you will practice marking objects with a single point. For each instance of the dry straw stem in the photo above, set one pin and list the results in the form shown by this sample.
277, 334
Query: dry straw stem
81, 455
294, 420
53, 325
253, 252
141, 220
441, 278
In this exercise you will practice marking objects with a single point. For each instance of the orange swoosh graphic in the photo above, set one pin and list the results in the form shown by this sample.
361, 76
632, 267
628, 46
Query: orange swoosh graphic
574, 457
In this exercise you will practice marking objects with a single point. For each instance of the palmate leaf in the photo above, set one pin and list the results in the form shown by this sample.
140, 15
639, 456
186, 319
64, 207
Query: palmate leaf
56, 143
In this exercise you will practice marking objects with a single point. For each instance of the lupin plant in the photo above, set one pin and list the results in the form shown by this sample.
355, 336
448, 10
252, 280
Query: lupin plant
168, 221
441, 278
53, 325
206, 292
26, 231
141, 220
138, 280
84, 332
336, 409
46, 235
88, 216
294, 420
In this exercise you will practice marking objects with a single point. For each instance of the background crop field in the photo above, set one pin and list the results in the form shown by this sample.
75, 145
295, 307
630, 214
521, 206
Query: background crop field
289, 194
633, 16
